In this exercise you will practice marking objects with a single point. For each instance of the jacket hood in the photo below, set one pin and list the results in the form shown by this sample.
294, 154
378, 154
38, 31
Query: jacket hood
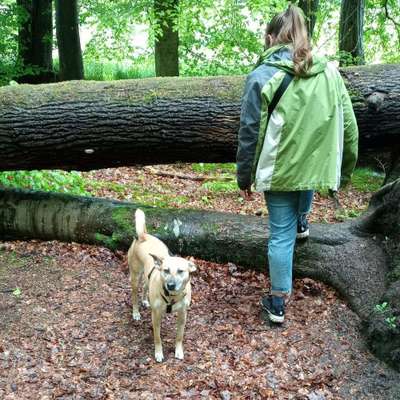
280, 56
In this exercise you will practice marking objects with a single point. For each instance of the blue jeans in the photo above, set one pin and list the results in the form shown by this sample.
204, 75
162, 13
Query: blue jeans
284, 209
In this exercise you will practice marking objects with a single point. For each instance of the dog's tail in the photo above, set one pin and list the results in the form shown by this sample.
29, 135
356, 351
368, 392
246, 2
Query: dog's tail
140, 223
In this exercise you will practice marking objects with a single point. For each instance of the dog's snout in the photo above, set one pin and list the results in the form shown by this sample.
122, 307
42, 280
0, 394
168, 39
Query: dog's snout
171, 285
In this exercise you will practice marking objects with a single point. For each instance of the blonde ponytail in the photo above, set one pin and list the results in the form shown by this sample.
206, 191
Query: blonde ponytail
289, 27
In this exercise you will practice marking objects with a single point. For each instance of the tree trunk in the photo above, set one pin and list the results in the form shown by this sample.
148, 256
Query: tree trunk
358, 258
87, 125
24, 32
351, 31
310, 9
167, 40
35, 40
42, 33
69, 45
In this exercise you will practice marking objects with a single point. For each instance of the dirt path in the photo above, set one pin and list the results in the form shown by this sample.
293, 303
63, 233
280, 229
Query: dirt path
67, 334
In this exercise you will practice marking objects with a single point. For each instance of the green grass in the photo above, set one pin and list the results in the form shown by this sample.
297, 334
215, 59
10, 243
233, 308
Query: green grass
108, 71
367, 180
223, 174
218, 186
214, 168
364, 180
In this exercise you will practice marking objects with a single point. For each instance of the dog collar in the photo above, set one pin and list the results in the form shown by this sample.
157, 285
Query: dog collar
169, 303
149, 275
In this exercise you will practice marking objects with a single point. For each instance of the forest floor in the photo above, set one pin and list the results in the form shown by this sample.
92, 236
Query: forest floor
66, 330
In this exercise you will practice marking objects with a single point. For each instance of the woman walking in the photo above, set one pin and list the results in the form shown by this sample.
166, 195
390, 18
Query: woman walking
298, 133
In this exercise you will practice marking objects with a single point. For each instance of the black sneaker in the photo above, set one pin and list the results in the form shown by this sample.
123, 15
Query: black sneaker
303, 230
276, 313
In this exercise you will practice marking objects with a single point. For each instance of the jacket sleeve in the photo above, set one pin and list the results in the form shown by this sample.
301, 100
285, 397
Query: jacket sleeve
350, 143
248, 131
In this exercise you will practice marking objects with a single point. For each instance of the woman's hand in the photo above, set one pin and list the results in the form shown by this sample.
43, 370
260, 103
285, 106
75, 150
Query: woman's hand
246, 194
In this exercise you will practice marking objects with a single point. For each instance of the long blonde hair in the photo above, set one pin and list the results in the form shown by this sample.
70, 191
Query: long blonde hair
289, 27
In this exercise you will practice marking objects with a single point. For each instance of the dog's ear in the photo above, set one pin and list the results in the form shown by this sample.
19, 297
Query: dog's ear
157, 261
191, 267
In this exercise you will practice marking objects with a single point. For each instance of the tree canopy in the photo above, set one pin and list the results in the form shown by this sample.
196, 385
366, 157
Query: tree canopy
215, 37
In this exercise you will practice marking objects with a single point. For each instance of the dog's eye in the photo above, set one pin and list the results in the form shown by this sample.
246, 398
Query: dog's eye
180, 271
166, 270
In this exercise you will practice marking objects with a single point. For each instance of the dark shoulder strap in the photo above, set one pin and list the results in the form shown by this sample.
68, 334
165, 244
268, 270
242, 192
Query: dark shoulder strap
279, 92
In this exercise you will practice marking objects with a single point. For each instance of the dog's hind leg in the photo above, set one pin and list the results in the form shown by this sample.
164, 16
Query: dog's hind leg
158, 351
180, 328
135, 270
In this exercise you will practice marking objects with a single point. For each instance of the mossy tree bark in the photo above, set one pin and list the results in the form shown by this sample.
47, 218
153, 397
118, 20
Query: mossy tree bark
86, 125
359, 258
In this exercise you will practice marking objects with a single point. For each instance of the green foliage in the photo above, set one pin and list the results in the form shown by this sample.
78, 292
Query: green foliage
113, 23
382, 307
382, 31
8, 41
10, 66
385, 309
366, 180
391, 321
46, 180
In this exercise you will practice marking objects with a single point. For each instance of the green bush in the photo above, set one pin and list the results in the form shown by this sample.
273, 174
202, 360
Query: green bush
46, 180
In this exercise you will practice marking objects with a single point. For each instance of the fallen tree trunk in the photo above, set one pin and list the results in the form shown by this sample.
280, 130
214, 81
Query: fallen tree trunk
86, 125
358, 258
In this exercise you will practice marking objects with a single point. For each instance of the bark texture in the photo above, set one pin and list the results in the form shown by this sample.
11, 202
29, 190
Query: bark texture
68, 40
88, 125
167, 41
35, 40
358, 258
351, 31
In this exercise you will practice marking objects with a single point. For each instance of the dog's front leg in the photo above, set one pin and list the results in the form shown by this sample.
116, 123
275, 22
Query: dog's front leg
180, 328
156, 319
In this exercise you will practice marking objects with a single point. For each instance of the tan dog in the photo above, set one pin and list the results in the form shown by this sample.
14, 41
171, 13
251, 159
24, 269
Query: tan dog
166, 283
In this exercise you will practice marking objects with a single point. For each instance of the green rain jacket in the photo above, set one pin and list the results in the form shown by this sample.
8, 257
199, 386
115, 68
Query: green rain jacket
311, 139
